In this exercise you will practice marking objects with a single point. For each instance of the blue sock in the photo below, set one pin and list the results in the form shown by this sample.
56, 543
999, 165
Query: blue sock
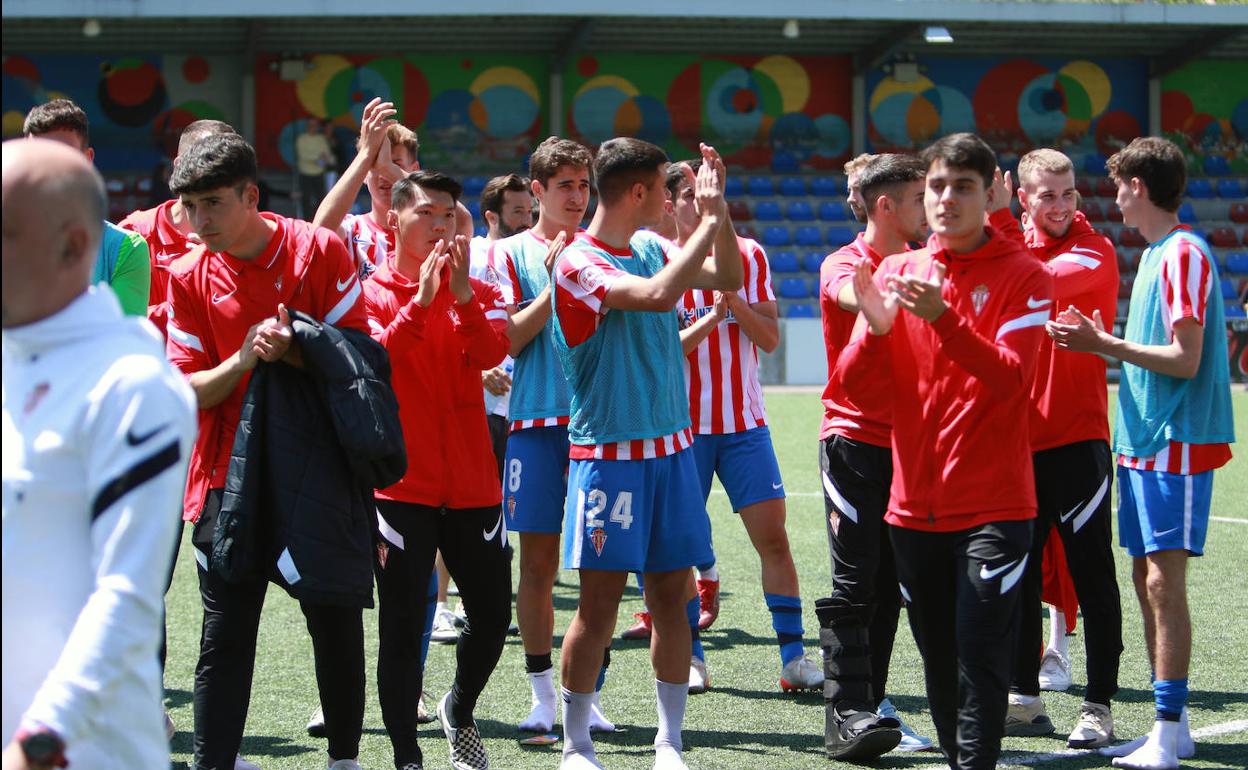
693, 610
641, 586
786, 619
1170, 696
602, 672
431, 609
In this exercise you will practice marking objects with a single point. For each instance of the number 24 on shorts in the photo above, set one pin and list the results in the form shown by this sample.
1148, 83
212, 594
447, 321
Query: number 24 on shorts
621, 512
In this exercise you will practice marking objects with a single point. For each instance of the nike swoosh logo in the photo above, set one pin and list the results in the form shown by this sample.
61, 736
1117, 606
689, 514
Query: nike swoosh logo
988, 574
1166, 532
219, 298
1036, 304
774, 485
345, 283
134, 439
490, 535
1066, 516
1084, 250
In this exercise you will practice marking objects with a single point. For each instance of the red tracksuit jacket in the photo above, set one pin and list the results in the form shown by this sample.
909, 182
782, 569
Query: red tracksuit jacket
436, 358
961, 385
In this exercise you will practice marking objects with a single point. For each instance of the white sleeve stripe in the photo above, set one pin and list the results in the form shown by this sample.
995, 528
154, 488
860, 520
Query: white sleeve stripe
496, 315
1023, 322
578, 293
1078, 259
344, 304
375, 326
185, 339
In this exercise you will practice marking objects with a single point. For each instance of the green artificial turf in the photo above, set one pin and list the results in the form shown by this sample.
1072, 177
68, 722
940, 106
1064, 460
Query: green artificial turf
744, 721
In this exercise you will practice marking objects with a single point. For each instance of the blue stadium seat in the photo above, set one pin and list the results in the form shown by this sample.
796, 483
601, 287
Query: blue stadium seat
812, 261
784, 262
792, 288
1230, 289
1235, 310
793, 186
800, 310
1237, 262
1094, 164
474, 208
831, 211
760, 186
808, 236
827, 187
1217, 165
1187, 213
1199, 188
799, 211
1230, 188
775, 236
473, 185
839, 236
734, 187
768, 211
481, 230
785, 163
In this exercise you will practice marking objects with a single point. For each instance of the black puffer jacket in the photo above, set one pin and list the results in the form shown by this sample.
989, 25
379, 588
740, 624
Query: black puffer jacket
312, 445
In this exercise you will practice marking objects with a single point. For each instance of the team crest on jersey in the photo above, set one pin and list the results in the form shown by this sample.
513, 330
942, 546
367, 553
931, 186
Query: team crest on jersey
599, 538
383, 553
491, 275
979, 297
591, 278
36, 397
511, 506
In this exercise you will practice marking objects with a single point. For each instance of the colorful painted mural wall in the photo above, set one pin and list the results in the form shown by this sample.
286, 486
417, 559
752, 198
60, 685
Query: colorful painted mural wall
1204, 107
1090, 109
137, 106
471, 112
758, 111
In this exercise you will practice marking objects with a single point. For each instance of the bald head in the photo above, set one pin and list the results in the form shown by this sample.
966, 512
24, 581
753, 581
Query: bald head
54, 206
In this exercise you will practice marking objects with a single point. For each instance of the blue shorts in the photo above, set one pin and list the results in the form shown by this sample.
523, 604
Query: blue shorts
1159, 511
535, 479
635, 515
745, 462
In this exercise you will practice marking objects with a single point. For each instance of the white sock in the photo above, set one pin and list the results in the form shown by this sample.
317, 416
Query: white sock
541, 717
710, 574
439, 609
1057, 631
1159, 751
598, 721
576, 738
1026, 700
672, 699
1185, 746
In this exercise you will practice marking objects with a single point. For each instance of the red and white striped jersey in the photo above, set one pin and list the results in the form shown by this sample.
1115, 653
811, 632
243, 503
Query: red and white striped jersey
368, 241
722, 371
1186, 282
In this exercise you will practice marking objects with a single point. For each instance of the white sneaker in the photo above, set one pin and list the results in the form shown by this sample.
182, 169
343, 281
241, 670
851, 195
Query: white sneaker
1094, 729
801, 674
1158, 752
467, 748
1026, 717
1054, 671
699, 678
345, 764
316, 724
444, 630
242, 764
598, 722
170, 728
910, 740
1185, 746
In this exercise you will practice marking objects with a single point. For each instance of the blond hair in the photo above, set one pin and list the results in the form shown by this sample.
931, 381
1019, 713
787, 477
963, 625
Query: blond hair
858, 164
1042, 161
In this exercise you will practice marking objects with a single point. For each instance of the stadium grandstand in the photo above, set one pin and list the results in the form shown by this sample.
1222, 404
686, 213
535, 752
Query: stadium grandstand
788, 90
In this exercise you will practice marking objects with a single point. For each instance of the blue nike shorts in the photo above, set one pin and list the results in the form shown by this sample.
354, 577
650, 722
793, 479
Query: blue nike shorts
635, 515
1159, 511
745, 462
535, 479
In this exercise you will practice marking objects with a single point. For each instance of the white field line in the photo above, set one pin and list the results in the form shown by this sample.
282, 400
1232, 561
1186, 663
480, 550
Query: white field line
1029, 759
1227, 519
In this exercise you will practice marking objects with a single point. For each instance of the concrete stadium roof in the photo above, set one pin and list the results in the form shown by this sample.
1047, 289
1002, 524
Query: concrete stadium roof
1169, 35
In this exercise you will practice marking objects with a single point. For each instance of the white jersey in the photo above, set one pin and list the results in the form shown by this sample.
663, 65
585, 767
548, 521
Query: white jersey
479, 267
98, 429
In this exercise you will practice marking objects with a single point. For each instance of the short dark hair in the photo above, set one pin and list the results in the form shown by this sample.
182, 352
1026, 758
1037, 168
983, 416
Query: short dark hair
216, 161
492, 195
965, 151
200, 129
404, 191
676, 174
1158, 163
57, 115
623, 162
555, 153
886, 174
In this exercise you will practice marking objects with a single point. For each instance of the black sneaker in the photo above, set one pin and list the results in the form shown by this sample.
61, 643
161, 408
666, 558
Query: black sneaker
859, 735
467, 750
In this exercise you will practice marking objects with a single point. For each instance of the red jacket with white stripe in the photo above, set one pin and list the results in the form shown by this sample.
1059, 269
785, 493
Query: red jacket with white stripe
1069, 398
961, 388
436, 358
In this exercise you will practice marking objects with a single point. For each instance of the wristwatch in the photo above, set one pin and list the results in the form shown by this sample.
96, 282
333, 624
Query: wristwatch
42, 746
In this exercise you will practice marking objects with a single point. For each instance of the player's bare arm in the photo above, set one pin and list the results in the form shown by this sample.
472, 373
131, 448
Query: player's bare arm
1181, 358
528, 322
692, 335
337, 203
723, 271
759, 321
212, 386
